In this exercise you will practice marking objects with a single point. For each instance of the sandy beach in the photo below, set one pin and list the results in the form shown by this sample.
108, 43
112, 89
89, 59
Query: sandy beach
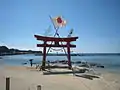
26, 78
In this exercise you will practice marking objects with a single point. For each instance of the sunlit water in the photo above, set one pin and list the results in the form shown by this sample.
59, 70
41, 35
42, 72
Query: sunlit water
110, 62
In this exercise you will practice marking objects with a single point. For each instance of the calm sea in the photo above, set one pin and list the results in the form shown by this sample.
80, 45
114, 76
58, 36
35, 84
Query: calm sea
111, 62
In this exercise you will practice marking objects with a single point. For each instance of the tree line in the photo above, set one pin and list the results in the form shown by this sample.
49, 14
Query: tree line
4, 50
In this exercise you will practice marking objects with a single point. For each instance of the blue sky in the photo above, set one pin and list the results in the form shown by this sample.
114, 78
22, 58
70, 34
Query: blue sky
95, 22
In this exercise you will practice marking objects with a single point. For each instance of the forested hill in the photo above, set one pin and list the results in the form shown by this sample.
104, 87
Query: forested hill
4, 50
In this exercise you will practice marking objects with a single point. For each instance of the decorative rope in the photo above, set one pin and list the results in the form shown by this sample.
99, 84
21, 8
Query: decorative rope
57, 49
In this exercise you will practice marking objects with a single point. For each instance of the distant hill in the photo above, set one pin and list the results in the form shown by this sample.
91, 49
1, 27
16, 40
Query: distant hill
6, 51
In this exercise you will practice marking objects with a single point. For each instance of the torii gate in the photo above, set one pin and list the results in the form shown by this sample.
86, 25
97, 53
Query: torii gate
56, 41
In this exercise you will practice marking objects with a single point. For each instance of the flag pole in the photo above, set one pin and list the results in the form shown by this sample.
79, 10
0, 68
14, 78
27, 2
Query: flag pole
54, 26
56, 31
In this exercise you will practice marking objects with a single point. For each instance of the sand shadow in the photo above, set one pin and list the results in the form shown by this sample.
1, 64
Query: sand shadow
54, 73
90, 77
59, 72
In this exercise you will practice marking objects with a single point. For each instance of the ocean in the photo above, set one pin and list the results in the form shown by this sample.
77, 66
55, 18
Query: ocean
111, 62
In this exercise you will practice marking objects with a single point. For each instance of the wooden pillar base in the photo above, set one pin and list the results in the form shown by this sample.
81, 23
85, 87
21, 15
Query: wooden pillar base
69, 57
44, 57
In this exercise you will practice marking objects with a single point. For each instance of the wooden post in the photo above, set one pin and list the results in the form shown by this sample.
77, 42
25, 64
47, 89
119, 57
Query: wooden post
39, 87
44, 56
69, 58
7, 83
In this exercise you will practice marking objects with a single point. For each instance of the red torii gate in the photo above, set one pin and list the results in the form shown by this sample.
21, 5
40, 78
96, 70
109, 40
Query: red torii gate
56, 44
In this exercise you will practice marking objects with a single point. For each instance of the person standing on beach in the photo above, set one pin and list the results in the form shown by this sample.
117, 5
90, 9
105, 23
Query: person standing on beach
48, 65
31, 62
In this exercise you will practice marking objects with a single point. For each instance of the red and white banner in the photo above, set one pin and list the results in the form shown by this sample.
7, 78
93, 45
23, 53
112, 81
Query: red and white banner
59, 21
